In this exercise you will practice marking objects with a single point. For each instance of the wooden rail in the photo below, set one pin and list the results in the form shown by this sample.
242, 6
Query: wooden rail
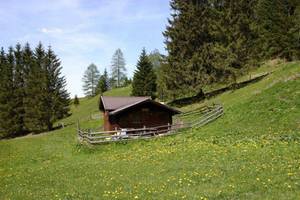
209, 114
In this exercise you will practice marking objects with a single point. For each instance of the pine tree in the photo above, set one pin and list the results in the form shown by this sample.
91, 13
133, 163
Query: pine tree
19, 92
90, 80
29, 77
58, 98
207, 42
155, 58
234, 38
279, 29
8, 119
111, 83
32, 92
28, 60
127, 81
3, 63
36, 102
161, 84
188, 42
102, 83
76, 101
106, 78
101, 87
5, 81
144, 79
118, 70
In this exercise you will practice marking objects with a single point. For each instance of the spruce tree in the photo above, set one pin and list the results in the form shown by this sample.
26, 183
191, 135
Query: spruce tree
29, 69
111, 83
234, 38
3, 64
76, 101
127, 81
279, 28
155, 58
28, 60
8, 117
105, 74
19, 92
101, 87
90, 80
36, 102
144, 79
161, 84
207, 42
188, 42
32, 92
118, 70
58, 98
102, 83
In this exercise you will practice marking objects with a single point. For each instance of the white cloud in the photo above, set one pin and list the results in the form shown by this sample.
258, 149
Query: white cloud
76, 30
51, 30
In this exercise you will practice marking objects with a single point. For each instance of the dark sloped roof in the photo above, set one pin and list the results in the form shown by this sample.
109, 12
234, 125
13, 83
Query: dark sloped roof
116, 105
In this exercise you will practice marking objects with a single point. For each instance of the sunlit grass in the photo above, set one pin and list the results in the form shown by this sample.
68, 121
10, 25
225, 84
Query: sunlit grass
252, 152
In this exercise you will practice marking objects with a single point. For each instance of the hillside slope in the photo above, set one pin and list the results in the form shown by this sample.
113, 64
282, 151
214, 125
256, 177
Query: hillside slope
252, 152
87, 112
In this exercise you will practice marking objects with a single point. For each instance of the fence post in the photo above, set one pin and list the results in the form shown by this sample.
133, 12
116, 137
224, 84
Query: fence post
168, 127
78, 127
78, 131
144, 132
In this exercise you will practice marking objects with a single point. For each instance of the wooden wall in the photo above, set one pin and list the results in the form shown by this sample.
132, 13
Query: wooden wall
148, 115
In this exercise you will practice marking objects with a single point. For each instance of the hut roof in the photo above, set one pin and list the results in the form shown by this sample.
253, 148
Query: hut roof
115, 105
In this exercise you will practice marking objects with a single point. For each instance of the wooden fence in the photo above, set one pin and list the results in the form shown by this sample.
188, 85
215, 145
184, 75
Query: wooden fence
208, 114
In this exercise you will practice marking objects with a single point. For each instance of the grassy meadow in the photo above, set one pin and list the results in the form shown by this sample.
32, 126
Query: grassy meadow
251, 152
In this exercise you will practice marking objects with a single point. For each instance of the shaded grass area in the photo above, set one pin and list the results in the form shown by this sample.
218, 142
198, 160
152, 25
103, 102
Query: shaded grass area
252, 152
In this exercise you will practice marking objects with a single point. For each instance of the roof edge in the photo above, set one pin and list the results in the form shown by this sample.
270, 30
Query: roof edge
117, 111
104, 106
127, 106
102, 102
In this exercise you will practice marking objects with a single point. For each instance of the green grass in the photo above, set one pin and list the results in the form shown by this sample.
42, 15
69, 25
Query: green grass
123, 91
252, 152
265, 68
89, 107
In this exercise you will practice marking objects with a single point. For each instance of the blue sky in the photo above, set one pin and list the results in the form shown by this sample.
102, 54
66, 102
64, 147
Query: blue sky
86, 31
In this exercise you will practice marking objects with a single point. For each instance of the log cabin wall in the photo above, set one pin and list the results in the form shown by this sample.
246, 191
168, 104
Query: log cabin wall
134, 112
144, 115
109, 124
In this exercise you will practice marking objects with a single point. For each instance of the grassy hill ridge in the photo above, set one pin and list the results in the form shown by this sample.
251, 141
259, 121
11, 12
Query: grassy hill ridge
89, 106
252, 152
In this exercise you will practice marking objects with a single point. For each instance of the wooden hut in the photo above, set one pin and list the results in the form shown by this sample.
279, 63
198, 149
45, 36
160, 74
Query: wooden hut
134, 112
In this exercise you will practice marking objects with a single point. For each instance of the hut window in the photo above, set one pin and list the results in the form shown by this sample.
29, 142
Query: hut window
145, 109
